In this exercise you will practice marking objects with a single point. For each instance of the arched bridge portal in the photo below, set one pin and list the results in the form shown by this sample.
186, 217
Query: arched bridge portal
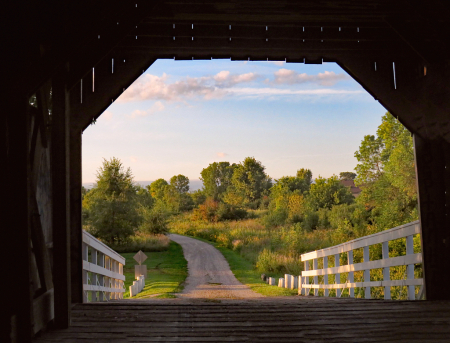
89, 52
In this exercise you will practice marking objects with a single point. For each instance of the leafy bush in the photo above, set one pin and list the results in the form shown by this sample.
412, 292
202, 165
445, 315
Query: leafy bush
155, 220
228, 212
143, 242
276, 218
206, 211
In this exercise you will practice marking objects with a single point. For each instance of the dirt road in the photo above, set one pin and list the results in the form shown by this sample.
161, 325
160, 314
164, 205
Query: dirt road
209, 273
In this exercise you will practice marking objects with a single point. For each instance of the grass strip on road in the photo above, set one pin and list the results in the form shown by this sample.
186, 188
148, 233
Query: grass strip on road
246, 273
166, 272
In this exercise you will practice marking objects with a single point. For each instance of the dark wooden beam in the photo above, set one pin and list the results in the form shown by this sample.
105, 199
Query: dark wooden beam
419, 101
15, 127
76, 235
108, 86
60, 169
432, 159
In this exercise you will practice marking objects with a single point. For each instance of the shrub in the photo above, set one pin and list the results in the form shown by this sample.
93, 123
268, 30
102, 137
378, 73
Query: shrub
228, 212
276, 218
155, 220
143, 242
206, 211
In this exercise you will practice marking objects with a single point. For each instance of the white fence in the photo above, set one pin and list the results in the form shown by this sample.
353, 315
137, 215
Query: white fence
408, 260
137, 286
102, 271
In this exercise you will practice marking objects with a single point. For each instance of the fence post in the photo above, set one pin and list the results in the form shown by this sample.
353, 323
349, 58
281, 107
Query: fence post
367, 271
287, 281
325, 277
337, 278
386, 272
410, 267
351, 277
306, 290
316, 278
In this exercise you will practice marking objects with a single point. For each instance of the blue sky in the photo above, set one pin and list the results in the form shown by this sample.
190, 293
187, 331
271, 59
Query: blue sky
179, 116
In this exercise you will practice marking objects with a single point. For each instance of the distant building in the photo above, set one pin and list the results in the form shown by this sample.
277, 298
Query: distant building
353, 189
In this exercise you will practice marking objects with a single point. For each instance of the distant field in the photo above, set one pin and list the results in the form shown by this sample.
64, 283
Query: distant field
166, 270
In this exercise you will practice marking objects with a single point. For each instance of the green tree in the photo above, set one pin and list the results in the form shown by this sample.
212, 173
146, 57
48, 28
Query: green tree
157, 188
155, 219
180, 183
306, 175
325, 193
111, 206
217, 178
198, 197
250, 180
386, 175
347, 176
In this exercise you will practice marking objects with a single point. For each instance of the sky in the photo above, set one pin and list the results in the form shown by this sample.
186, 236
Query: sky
180, 116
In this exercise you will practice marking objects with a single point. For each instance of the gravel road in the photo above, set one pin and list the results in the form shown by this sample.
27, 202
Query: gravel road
209, 275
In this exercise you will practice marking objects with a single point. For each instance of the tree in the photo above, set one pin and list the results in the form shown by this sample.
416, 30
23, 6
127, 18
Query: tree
306, 175
325, 193
386, 175
217, 178
250, 180
180, 183
111, 206
157, 188
155, 220
347, 176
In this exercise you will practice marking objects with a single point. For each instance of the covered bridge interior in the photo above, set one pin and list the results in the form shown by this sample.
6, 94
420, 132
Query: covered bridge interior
74, 58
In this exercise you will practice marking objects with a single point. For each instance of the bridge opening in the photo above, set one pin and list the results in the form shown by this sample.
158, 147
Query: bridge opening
181, 116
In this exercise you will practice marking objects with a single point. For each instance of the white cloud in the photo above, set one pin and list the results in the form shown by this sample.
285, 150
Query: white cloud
222, 154
290, 77
217, 86
156, 107
133, 159
152, 87
261, 92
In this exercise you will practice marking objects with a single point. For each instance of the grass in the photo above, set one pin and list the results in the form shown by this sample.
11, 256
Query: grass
166, 272
246, 273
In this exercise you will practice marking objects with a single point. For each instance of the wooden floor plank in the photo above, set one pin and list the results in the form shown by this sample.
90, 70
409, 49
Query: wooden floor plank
299, 319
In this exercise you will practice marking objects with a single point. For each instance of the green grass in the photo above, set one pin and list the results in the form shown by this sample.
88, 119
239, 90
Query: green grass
166, 272
248, 275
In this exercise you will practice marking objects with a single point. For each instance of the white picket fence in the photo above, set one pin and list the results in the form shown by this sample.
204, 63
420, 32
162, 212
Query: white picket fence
408, 260
137, 286
102, 271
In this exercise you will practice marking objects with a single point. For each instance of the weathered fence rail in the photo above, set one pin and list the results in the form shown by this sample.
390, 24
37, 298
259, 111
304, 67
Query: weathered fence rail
103, 277
405, 231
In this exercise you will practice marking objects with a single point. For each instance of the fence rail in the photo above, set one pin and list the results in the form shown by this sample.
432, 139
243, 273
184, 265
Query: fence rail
405, 231
103, 277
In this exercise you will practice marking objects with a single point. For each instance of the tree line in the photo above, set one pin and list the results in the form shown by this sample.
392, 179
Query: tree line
117, 208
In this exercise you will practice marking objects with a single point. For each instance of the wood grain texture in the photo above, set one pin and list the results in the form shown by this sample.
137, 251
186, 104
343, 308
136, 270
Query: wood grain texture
298, 318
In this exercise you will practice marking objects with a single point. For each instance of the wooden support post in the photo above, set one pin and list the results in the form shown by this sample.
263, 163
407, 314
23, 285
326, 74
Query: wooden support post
61, 199
351, 276
432, 159
17, 324
410, 267
316, 278
76, 232
337, 277
325, 277
366, 257
386, 270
